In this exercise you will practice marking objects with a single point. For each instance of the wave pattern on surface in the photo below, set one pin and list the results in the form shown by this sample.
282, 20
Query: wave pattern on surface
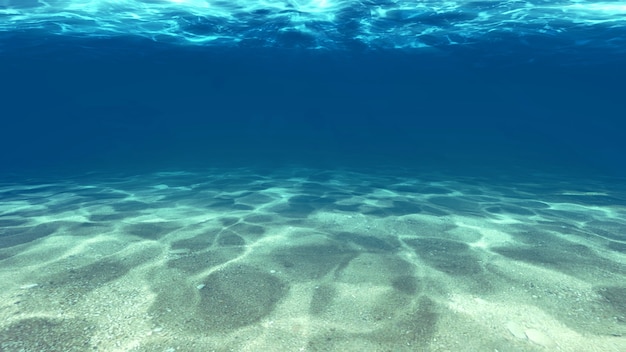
329, 24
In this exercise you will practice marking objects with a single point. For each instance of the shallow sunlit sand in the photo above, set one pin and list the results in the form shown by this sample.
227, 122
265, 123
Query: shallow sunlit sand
297, 259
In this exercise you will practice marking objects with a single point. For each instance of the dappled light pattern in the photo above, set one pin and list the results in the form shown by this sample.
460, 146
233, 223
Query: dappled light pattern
318, 260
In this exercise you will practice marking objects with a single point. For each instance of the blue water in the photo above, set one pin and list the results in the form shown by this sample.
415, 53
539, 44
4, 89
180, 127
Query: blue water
319, 175
101, 84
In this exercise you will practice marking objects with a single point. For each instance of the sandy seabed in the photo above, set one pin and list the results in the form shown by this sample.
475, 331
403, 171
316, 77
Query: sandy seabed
300, 259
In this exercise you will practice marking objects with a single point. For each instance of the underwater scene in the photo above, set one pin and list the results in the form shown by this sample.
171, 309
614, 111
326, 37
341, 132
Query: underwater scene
312, 175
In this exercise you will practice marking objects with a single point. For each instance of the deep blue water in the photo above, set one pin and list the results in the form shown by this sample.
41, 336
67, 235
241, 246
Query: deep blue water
172, 84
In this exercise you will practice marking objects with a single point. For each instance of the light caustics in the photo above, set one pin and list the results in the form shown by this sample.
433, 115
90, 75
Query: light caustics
329, 24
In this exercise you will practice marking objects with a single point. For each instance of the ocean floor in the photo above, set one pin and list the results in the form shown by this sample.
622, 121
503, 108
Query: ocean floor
297, 259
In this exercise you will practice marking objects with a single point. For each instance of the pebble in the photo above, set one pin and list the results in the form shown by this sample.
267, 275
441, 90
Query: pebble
516, 330
539, 338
